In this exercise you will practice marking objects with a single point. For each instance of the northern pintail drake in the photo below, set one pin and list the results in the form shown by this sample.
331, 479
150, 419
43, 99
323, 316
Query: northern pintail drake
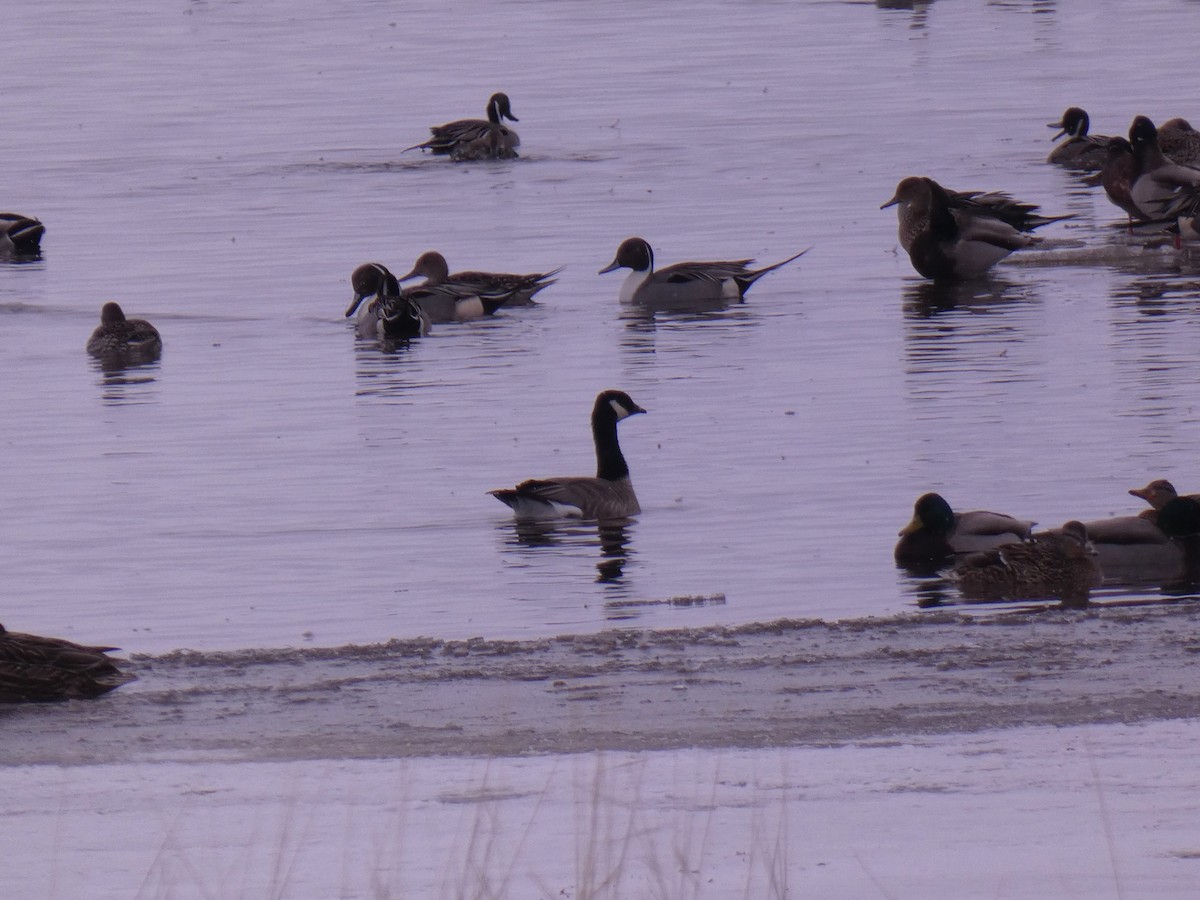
936, 532
957, 235
1080, 150
1157, 181
1060, 566
686, 283
122, 341
1179, 141
520, 289
473, 139
389, 315
20, 235
35, 669
608, 495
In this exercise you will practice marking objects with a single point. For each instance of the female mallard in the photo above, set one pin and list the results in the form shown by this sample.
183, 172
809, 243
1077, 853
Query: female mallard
952, 235
389, 315
687, 283
519, 289
609, 495
1083, 151
936, 532
1059, 566
118, 340
471, 139
40, 669
20, 235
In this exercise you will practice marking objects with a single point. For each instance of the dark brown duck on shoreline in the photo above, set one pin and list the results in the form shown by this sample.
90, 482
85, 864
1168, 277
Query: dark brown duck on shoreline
35, 669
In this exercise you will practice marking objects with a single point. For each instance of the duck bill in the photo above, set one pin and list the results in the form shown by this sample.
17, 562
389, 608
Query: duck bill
611, 267
891, 202
1058, 125
1142, 493
413, 274
354, 304
911, 528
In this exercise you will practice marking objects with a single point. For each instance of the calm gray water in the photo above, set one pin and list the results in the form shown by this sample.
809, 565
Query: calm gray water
221, 167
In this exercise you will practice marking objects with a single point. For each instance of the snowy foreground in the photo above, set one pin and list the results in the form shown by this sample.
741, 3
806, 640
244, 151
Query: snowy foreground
966, 802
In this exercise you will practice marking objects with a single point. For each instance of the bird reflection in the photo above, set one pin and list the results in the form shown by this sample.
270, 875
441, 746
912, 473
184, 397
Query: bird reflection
612, 538
926, 299
127, 385
385, 368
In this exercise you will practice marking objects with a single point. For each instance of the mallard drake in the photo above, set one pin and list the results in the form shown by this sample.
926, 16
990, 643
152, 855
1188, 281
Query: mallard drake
1157, 182
608, 495
1060, 566
20, 235
936, 533
40, 669
684, 284
1179, 141
960, 235
518, 289
390, 315
121, 341
1080, 150
473, 139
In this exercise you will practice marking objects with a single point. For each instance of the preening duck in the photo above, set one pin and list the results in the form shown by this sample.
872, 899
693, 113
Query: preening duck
607, 495
389, 315
473, 139
20, 235
687, 283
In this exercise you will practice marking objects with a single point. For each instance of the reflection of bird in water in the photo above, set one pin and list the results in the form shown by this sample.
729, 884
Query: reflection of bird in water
936, 533
1057, 566
39, 669
607, 495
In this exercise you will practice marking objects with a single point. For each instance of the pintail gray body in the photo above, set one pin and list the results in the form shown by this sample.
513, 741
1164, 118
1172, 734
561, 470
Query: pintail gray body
684, 285
476, 139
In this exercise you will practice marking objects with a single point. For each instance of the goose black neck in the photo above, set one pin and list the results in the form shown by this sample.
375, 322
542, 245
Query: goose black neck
610, 462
